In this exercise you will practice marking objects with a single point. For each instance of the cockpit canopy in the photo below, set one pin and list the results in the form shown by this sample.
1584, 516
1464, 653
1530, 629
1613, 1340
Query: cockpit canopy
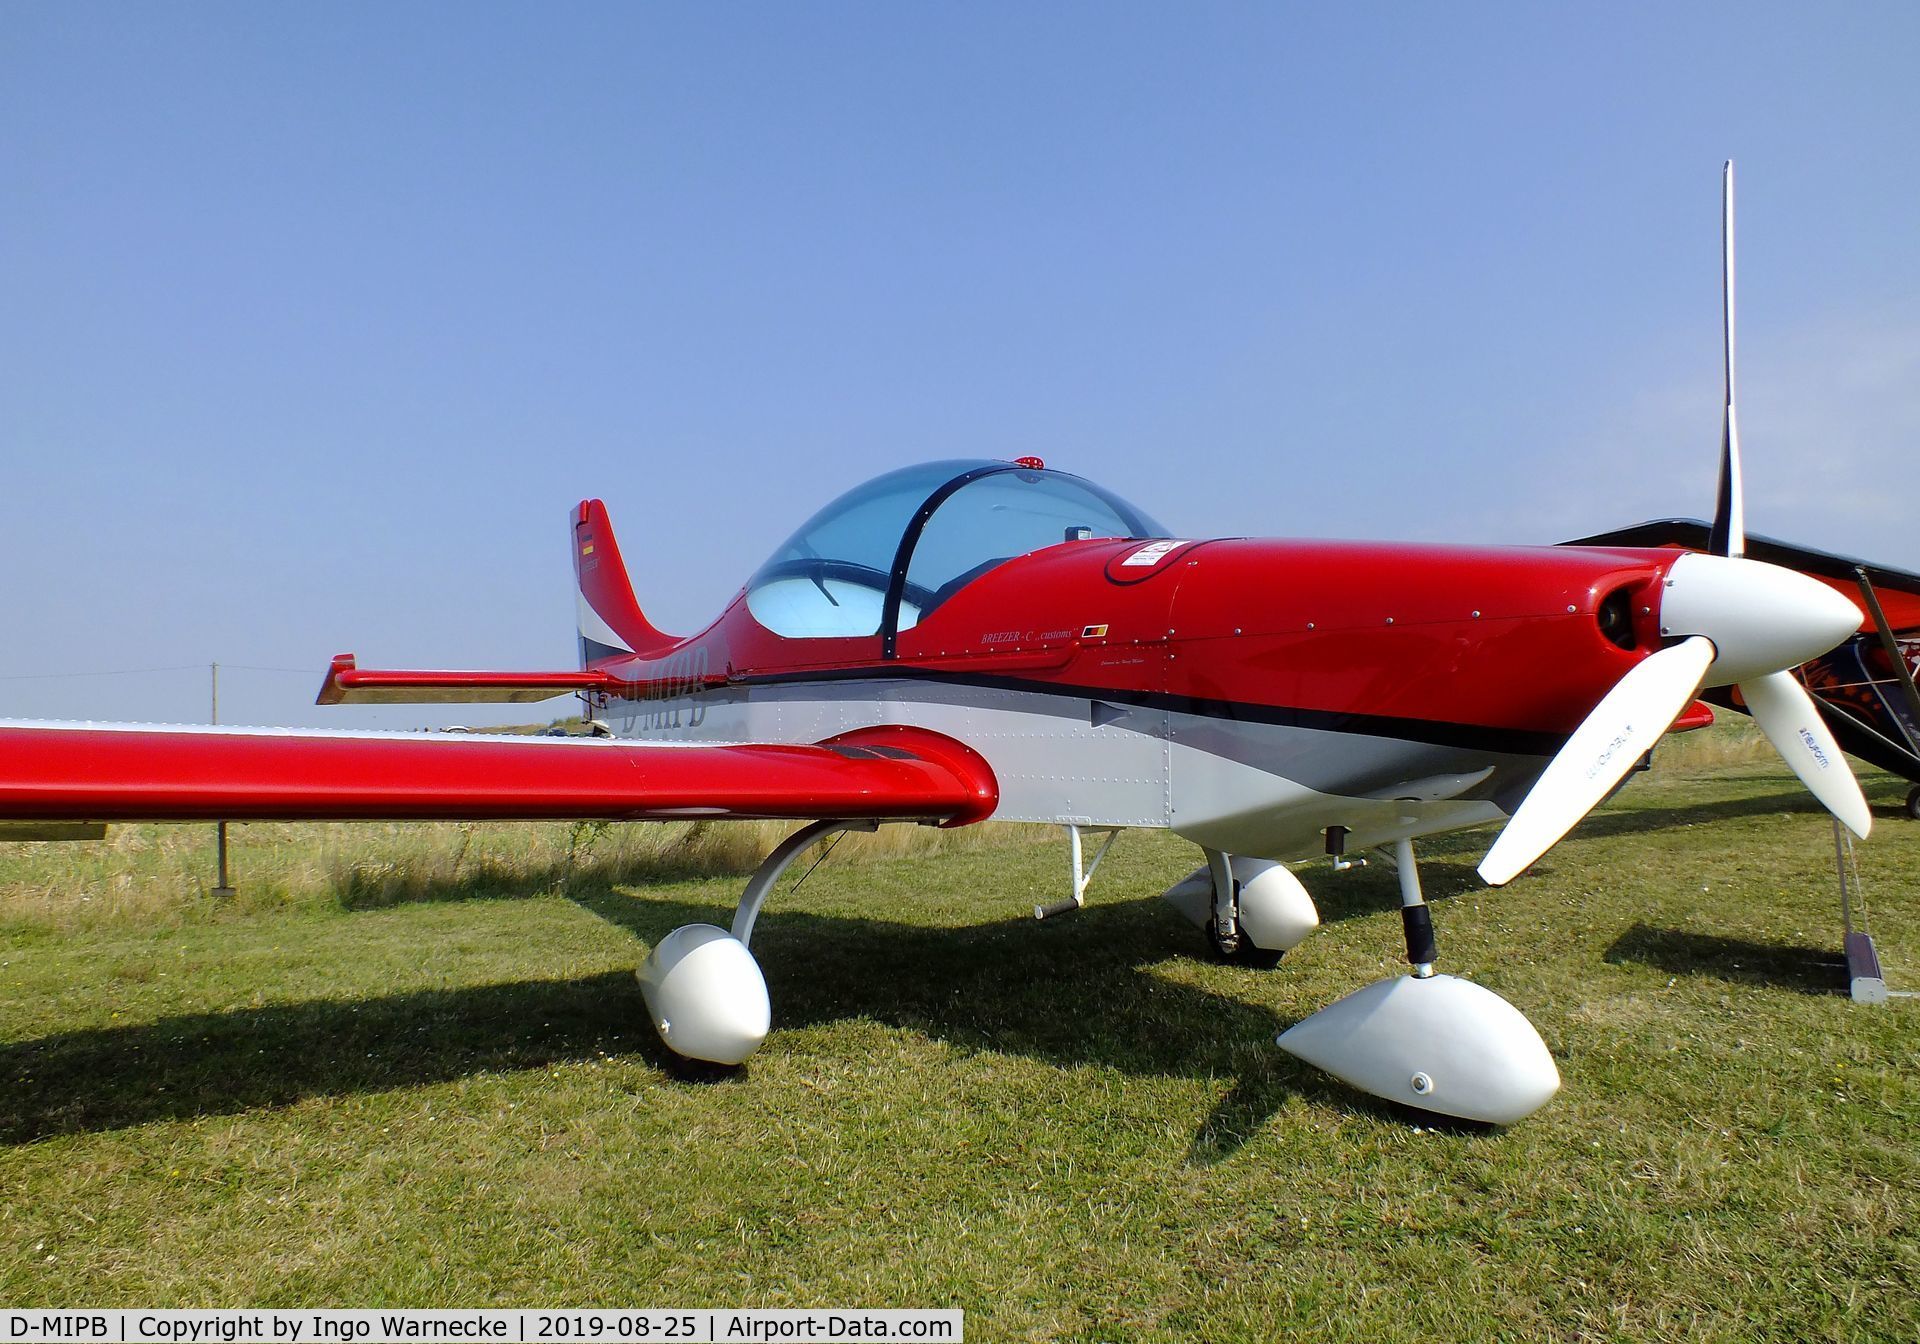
883, 556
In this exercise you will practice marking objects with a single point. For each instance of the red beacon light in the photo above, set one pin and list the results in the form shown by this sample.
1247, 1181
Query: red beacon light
1030, 463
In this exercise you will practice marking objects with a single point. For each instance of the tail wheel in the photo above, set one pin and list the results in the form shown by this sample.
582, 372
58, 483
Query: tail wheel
1913, 803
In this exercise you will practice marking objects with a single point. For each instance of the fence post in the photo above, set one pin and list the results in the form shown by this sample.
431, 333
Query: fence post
221, 887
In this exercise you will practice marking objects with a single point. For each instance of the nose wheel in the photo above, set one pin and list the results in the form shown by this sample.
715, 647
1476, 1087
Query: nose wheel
1428, 1040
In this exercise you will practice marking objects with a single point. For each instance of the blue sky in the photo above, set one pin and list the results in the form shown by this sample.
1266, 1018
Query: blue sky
316, 321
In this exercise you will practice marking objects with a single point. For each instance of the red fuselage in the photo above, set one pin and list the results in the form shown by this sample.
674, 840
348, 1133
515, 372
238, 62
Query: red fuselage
1503, 646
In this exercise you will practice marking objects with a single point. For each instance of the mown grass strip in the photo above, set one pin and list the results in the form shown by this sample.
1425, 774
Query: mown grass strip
434, 1084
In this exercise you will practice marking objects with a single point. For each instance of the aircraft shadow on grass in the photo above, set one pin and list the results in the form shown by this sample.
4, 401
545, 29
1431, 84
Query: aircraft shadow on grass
1072, 992
223, 1063
1884, 798
1804, 970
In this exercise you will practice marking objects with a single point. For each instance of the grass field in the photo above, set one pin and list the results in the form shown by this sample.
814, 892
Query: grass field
410, 1066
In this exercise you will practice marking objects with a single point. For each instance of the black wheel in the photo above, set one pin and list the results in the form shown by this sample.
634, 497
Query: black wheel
703, 1072
1240, 951
1260, 958
1913, 803
1224, 949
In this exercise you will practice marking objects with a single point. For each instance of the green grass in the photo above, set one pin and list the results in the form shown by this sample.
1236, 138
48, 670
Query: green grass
410, 1066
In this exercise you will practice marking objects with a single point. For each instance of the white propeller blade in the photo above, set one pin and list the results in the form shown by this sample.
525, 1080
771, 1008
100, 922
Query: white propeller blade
1746, 623
1621, 729
1729, 535
1764, 620
1786, 714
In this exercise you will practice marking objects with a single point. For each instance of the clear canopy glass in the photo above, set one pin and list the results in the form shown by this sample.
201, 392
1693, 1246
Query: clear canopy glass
939, 525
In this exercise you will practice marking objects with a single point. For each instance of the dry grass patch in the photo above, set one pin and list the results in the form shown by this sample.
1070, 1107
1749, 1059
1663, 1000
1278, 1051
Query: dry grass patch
162, 876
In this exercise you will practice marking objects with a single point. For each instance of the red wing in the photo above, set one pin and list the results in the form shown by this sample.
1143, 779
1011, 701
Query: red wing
97, 772
1697, 715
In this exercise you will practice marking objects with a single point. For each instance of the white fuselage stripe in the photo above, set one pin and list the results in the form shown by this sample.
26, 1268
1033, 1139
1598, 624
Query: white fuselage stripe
594, 627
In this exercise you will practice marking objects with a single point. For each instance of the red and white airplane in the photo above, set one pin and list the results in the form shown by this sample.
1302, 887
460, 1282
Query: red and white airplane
967, 640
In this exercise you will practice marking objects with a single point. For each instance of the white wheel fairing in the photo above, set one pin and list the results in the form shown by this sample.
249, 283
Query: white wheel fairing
1440, 1043
706, 995
1276, 910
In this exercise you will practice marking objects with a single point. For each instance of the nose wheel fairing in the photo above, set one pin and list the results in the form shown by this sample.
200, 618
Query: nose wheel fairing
1433, 1041
1439, 1043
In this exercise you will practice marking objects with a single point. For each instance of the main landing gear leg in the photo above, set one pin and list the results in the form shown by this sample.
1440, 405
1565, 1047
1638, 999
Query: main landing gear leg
1430, 1041
703, 988
1223, 924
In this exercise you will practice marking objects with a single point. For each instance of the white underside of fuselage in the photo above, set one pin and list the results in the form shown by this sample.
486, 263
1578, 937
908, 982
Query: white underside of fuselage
1259, 789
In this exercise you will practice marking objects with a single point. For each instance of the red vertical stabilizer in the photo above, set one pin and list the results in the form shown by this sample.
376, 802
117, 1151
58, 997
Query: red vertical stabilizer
610, 621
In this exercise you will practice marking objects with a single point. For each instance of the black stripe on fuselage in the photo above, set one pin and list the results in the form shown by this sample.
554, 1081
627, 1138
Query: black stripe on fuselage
1434, 732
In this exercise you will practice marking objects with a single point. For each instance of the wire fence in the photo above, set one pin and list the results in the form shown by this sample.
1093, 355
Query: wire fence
151, 671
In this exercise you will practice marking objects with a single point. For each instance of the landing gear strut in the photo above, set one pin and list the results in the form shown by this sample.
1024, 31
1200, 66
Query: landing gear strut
1427, 1040
1223, 929
704, 990
1415, 919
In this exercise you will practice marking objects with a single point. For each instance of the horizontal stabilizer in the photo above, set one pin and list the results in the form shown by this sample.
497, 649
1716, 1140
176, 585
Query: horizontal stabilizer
348, 684
52, 830
137, 772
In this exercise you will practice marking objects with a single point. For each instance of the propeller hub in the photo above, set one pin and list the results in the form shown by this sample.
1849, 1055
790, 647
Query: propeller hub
1761, 618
